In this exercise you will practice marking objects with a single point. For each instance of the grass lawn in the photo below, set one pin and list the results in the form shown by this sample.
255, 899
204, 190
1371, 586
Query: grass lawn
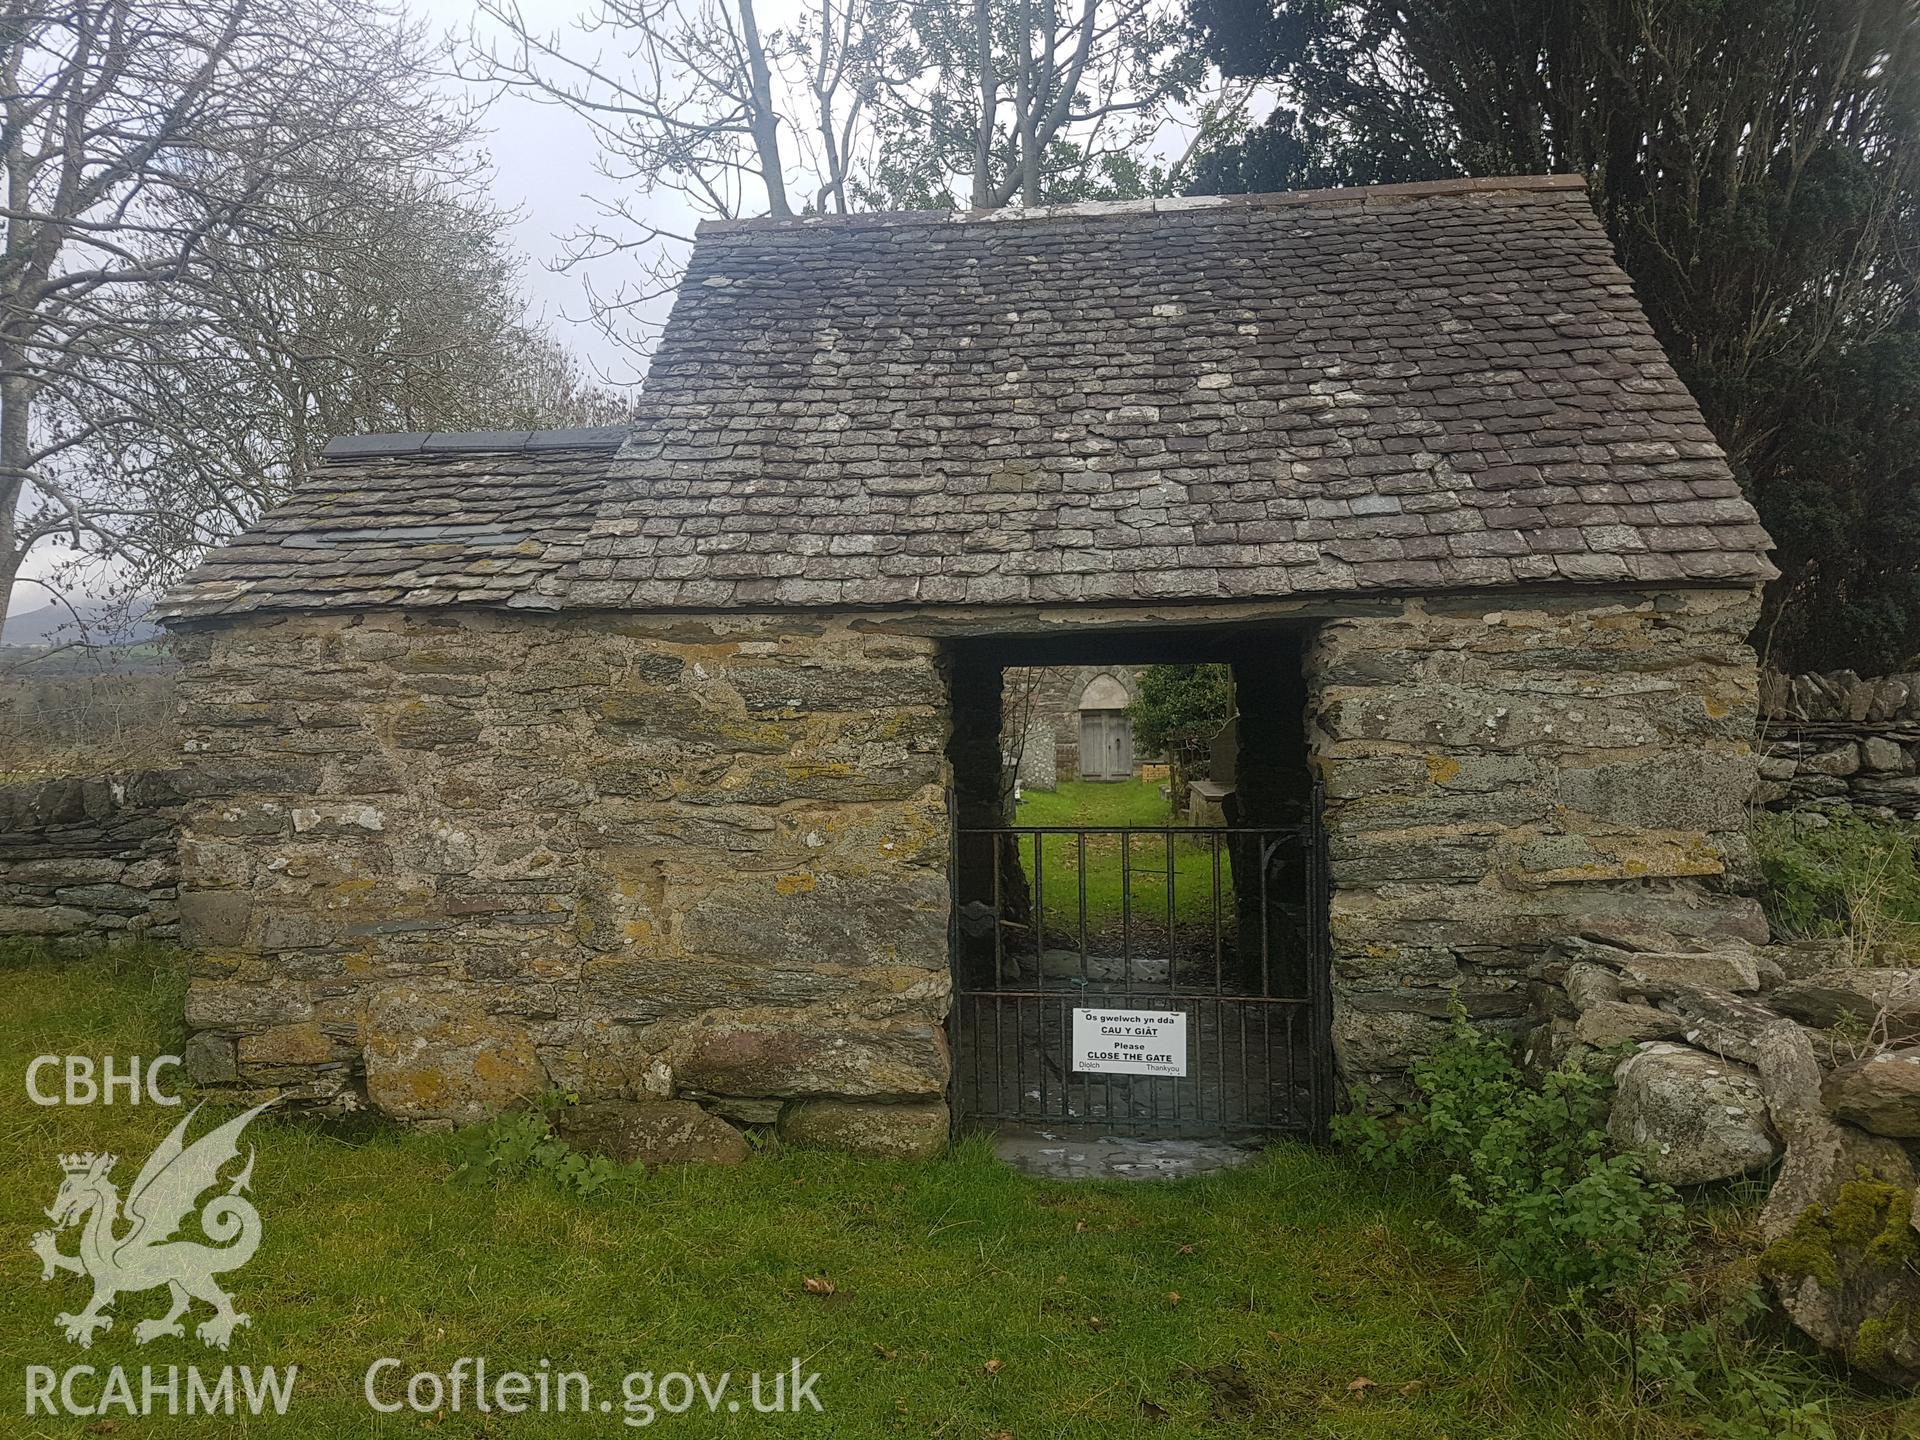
1143, 878
1095, 802
966, 1301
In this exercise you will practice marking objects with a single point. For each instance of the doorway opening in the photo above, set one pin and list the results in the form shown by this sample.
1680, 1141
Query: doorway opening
1106, 733
1134, 976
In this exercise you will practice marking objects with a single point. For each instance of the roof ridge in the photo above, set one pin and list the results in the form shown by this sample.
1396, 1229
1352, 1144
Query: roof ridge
1439, 387
1095, 209
388, 445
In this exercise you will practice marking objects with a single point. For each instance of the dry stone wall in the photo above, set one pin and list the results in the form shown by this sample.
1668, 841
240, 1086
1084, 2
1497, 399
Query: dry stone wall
89, 860
1837, 740
441, 862
444, 862
1500, 777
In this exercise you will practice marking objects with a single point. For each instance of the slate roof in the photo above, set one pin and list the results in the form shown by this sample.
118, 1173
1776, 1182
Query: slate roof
1417, 387
488, 517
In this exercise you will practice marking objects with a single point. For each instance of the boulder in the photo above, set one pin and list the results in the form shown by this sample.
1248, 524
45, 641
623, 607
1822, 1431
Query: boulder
916, 1130
1589, 985
1879, 1093
1803, 959
1863, 994
1661, 976
1818, 1148
1821, 1152
1615, 1022
1659, 973
1841, 1249
1694, 1118
42, 920
1842, 760
1737, 926
1880, 753
1371, 1044
651, 1132
1721, 1022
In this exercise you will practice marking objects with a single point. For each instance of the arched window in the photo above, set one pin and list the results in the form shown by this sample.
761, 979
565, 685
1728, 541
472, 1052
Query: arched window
1103, 692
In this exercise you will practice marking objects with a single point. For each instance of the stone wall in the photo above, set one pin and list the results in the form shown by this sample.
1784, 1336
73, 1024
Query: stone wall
1036, 755
440, 862
86, 861
1500, 777
445, 861
1045, 701
1836, 740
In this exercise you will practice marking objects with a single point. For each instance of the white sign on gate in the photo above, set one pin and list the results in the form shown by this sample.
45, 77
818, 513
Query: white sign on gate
1130, 1042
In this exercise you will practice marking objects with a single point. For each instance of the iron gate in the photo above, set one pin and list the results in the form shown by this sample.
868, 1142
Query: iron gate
1060, 931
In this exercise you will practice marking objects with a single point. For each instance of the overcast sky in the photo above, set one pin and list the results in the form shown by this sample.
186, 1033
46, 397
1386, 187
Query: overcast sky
544, 167
544, 163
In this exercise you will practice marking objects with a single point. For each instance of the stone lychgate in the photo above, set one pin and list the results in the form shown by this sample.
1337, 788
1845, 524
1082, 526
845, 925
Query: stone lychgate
622, 761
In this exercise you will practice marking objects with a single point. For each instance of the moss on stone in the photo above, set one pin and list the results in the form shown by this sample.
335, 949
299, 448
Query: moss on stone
1874, 1217
1873, 1342
1805, 1250
1867, 1229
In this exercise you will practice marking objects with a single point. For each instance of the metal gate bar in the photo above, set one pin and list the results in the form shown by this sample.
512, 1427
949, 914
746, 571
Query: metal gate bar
1246, 963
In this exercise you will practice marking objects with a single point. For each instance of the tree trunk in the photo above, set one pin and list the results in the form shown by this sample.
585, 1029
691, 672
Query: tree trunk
1023, 110
824, 85
764, 123
10, 560
989, 103
16, 418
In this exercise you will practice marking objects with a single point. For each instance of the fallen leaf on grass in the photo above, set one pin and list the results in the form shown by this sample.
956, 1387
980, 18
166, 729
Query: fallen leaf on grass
1359, 1385
818, 1285
1412, 1387
1173, 1297
884, 1353
993, 1366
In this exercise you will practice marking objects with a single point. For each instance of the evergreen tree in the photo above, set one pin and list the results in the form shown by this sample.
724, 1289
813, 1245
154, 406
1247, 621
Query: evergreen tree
1756, 166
